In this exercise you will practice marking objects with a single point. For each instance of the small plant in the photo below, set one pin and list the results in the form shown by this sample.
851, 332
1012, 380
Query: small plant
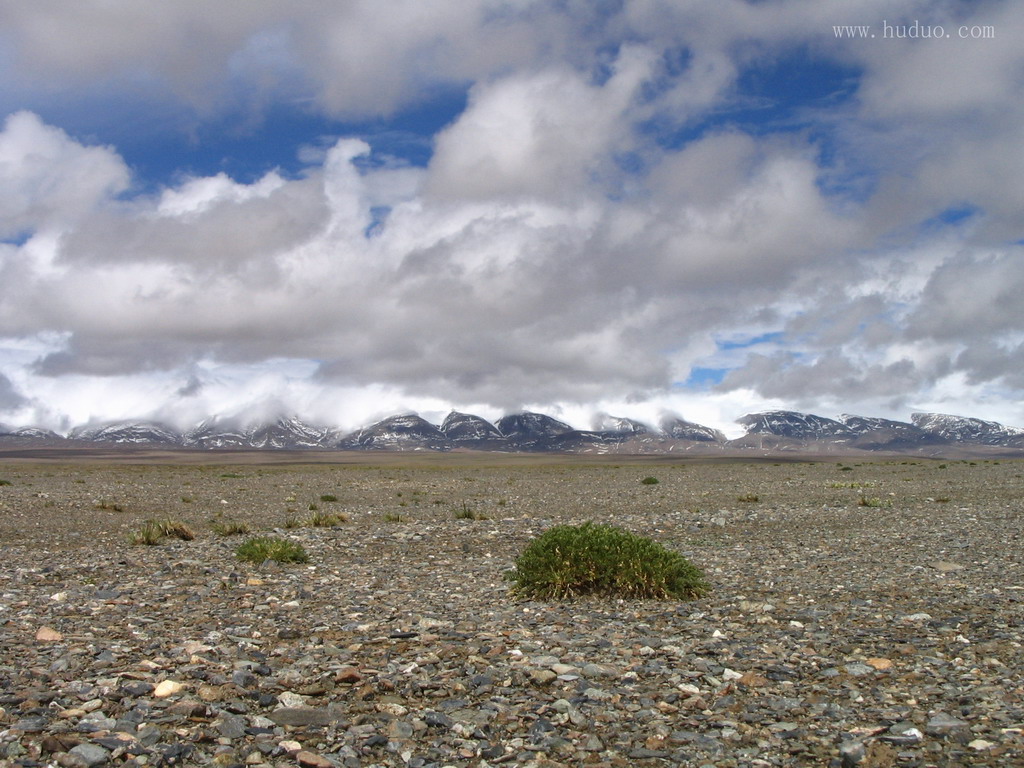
873, 502
749, 498
229, 527
6, 482
292, 522
313, 506
846, 469
942, 499
108, 506
231, 475
154, 531
567, 561
262, 548
393, 517
324, 520
328, 497
186, 499
649, 481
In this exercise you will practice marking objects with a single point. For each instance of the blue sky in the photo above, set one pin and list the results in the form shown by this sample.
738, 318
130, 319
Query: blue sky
630, 208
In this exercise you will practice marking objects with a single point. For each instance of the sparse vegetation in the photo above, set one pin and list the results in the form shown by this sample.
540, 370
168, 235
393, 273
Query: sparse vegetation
872, 501
324, 520
108, 506
232, 475
153, 532
749, 498
6, 482
229, 527
572, 560
468, 513
394, 517
649, 481
328, 497
262, 548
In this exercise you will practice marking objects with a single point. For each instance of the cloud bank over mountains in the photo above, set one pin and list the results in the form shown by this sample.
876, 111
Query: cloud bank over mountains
630, 207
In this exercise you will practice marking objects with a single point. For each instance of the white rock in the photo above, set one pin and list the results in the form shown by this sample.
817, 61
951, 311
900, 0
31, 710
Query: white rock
167, 688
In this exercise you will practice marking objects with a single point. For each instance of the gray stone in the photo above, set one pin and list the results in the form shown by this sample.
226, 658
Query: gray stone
299, 716
941, 724
91, 754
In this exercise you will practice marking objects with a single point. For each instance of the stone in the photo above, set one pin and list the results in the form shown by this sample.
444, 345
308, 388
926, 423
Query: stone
941, 724
542, 676
852, 753
299, 716
48, 635
312, 760
91, 754
944, 566
166, 688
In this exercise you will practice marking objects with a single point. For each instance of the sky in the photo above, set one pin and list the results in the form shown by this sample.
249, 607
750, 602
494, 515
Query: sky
579, 207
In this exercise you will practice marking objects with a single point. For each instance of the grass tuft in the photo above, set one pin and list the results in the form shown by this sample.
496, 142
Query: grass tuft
324, 520
468, 513
262, 548
595, 559
229, 527
153, 532
650, 481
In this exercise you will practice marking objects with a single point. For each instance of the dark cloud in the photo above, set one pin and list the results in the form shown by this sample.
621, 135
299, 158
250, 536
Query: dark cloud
10, 398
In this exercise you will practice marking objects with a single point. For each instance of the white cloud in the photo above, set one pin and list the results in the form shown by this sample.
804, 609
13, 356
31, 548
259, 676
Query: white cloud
50, 181
556, 251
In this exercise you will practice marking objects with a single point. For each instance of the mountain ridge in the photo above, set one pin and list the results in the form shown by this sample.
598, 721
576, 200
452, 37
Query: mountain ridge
530, 432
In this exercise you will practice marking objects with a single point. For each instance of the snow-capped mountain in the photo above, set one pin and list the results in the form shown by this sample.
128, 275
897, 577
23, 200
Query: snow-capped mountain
527, 428
619, 424
967, 429
795, 425
930, 434
288, 433
680, 429
469, 431
27, 435
886, 434
131, 433
407, 432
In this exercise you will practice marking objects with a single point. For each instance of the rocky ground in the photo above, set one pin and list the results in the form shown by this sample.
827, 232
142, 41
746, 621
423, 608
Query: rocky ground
860, 615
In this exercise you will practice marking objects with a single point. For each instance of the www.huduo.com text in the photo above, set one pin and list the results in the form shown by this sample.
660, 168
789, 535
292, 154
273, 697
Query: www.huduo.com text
914, 31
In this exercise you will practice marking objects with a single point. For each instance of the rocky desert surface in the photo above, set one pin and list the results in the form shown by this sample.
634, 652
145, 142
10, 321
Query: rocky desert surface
861, 614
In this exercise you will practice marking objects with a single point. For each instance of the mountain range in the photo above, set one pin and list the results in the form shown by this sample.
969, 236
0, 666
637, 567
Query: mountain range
769, 432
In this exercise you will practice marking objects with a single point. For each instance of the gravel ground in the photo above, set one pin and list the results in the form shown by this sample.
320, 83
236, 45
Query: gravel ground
860, 615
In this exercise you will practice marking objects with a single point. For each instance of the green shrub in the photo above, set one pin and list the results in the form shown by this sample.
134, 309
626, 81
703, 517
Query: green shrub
567, 561
649, 481
6, 482
262, 548
154, 531
394, 517
328, 497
